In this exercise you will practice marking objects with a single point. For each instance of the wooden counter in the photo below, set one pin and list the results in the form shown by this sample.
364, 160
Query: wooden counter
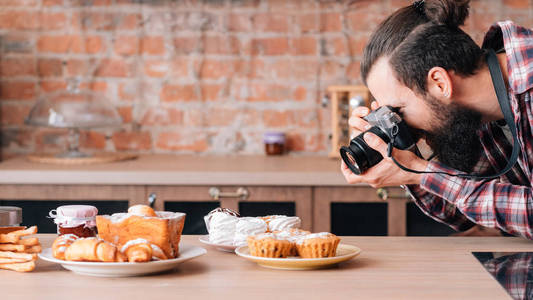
388, 268
182, 170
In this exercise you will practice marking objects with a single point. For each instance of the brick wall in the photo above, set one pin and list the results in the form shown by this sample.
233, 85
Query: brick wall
193, 76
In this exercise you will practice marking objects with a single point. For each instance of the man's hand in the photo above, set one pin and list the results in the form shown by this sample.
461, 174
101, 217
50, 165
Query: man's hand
385, 173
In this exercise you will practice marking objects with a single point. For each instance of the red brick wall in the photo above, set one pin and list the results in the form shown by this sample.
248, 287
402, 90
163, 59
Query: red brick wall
193, 76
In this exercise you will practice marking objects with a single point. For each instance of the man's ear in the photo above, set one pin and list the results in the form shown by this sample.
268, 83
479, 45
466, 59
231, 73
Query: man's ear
439, 84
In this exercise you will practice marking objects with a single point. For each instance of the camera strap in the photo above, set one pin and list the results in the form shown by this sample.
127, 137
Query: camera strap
505, 105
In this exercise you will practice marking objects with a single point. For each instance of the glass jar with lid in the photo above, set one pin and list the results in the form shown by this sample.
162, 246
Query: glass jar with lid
274, 143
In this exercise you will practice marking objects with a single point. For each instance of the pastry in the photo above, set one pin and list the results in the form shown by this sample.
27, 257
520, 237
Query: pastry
317, 245
269, 245
292, 235
19, 267
227, 211
226, 227
61, 244
222, 228
138, 250
93, 249
142, 210
248, 226
18, 252
278, 223
163, 230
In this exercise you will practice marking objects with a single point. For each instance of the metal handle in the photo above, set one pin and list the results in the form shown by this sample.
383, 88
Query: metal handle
151, 199
241, 192
384, 194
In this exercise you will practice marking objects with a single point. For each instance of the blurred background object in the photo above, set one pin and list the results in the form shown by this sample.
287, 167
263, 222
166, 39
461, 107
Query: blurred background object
74, 111
194, 76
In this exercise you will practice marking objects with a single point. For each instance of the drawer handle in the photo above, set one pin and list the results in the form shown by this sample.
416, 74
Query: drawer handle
384, 194
241, 192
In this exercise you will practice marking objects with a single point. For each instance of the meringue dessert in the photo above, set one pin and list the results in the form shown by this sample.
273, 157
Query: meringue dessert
226, 227
248, 226
222, 228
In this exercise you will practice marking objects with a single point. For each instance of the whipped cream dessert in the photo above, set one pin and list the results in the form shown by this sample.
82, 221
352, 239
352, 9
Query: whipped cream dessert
248, 226
291, 235
222, 228
226, 227
278, 223
209, 216
323, 235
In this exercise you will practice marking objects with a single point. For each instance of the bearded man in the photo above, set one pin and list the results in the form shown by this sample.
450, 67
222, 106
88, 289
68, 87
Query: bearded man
420, 62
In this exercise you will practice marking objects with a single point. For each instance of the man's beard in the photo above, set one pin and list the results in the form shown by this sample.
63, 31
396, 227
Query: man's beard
454, 139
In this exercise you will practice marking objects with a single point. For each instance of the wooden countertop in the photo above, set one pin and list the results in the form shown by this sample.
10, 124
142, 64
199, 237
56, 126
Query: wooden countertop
182, 170
388, 268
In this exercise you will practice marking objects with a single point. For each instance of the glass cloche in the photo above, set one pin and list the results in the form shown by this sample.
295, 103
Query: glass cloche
74, 111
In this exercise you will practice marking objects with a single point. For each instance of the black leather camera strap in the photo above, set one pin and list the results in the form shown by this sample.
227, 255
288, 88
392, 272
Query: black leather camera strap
505, 105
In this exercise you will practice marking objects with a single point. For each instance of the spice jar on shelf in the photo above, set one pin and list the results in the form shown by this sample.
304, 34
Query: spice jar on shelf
274, 143
79, 220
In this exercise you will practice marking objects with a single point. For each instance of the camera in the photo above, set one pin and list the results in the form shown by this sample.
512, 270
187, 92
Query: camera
389, 126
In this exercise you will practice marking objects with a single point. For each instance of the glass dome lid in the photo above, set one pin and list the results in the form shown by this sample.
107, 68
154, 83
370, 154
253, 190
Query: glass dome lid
74, 110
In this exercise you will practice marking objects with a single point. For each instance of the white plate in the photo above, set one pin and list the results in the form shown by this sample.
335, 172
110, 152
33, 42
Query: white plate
222, 247
344, 252
124, 269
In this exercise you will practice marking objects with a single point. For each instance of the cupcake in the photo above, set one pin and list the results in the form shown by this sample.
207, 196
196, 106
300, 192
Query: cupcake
292, 235
247, 226
269, 245
317, 245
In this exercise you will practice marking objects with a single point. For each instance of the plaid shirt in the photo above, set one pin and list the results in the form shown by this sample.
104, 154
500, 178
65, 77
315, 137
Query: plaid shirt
505, 202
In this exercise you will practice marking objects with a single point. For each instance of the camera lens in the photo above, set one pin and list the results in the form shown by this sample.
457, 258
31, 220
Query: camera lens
358, 156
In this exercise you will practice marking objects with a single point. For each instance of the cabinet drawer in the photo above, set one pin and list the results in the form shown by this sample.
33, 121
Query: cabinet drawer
258, 201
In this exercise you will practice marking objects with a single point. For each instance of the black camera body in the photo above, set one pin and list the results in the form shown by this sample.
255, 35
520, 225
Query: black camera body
386, 124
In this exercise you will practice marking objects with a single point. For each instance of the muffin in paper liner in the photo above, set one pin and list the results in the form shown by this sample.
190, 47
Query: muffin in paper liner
292, 235
317, 245
267, 245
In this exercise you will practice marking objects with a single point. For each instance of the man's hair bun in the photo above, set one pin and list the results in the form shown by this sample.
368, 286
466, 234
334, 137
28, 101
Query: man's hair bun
452, 13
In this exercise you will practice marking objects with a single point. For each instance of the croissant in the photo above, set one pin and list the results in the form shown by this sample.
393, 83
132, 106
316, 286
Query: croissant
138, 250
61, 244
92, 249
158, 253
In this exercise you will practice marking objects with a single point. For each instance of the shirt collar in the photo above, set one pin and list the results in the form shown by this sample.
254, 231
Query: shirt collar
518, 44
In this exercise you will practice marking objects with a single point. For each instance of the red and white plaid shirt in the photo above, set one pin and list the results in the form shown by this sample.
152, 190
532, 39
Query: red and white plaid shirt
505, 202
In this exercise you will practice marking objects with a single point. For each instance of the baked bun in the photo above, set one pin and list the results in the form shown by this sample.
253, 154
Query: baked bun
142, 210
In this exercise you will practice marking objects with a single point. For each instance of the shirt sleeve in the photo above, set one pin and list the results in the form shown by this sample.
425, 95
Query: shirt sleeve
489, 203
439, 209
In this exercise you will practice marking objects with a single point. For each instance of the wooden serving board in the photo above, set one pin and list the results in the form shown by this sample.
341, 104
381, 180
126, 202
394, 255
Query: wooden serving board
94, 159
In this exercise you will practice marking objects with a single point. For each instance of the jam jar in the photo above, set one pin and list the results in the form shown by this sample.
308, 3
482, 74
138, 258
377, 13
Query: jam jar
274, 143
79, 220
